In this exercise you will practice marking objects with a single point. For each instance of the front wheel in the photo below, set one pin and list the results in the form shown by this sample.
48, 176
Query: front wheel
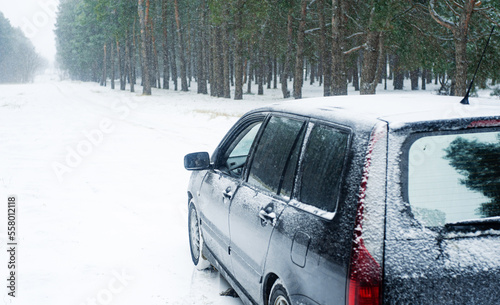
196, 240
279, 296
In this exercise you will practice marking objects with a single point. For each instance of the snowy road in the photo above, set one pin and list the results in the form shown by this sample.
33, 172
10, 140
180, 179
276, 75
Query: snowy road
101, 192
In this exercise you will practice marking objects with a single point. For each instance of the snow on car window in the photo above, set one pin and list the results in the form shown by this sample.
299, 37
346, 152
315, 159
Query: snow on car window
454, 177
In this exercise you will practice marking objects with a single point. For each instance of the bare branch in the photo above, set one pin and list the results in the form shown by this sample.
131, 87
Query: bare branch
355, 21
458, 4
489, 18
431, 35
421, 6
452, 9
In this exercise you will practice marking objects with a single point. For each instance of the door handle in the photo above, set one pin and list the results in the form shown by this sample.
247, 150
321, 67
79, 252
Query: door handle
267, 216
227, 193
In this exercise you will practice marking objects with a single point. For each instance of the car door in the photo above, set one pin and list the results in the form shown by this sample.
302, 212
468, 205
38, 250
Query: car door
256, 206
309, 247
221, 183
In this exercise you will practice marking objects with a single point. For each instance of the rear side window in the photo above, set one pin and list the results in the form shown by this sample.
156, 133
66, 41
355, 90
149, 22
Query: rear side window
275, 149
454, 177
322, 167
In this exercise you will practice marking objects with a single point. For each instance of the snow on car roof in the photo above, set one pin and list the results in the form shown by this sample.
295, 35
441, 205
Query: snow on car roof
395, 109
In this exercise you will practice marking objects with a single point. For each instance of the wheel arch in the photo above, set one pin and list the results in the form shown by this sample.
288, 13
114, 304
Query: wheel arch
271, 278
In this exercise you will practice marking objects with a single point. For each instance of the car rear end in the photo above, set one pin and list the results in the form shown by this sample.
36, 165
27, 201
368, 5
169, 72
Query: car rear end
442, 224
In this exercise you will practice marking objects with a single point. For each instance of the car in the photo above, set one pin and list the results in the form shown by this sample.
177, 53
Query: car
386, 199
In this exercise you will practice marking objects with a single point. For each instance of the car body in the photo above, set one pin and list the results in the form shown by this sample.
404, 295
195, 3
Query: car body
354, 200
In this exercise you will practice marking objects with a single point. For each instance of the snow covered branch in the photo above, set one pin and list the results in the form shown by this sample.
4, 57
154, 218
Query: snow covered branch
440, 19
355, 34
363, 46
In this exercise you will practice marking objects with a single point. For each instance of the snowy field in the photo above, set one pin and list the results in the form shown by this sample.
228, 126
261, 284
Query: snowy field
101, 190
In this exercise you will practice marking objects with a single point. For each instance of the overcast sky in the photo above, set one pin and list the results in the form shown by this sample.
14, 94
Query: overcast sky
36, 18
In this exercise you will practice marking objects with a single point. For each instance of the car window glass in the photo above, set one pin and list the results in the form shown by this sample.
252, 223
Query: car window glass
322, 167
237, 154
290, 171
273, 151
454, 177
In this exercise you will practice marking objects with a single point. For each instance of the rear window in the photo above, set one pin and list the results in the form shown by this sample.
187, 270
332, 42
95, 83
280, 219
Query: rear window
454, 177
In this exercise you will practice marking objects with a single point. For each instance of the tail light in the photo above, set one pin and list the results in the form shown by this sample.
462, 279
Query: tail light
364, 285
365, 278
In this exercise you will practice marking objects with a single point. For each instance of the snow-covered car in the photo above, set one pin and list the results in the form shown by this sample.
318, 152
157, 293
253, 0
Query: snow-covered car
353, 200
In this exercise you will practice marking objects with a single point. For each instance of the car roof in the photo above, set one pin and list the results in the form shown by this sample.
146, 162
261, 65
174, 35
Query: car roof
396, 109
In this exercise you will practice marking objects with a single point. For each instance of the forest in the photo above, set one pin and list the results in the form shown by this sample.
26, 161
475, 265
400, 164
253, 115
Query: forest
19, 62
228, 46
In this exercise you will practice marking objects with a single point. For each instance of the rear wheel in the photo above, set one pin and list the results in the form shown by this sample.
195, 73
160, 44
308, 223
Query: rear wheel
196, 240
279, 296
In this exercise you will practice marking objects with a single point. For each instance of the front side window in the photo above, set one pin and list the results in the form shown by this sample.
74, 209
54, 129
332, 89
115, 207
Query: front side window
322, 167
454, 177
275, 152
237, 153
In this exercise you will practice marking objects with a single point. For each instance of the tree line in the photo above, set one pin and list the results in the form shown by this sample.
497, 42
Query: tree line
268, 43
19, 62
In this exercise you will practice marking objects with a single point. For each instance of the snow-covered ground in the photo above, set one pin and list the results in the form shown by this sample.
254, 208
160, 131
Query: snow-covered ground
101, 191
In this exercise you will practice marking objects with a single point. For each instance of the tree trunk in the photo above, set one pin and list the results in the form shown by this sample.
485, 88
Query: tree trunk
238, 70
460, 36
112, 59
355, 75
460, 31
200, 52
339, 83
238, 53
288, 56
143, 17
424, 78
155, 61
226, 88
120, 66
299, 60
104, 72
313, 75
173, 58
189, 64
414, 79
275, 72
217, 84
269, 78
260, 72
399, 75
166, 59
132, 55
249, 77
182, 59
129, 65
372, 58
384, 70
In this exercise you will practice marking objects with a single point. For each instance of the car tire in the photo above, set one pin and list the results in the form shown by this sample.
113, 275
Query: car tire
196, 242
278, 295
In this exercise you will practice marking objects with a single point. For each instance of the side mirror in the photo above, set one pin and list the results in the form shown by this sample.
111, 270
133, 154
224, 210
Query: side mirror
197, 161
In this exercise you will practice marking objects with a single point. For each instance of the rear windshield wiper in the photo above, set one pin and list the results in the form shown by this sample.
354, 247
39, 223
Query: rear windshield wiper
475, 224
